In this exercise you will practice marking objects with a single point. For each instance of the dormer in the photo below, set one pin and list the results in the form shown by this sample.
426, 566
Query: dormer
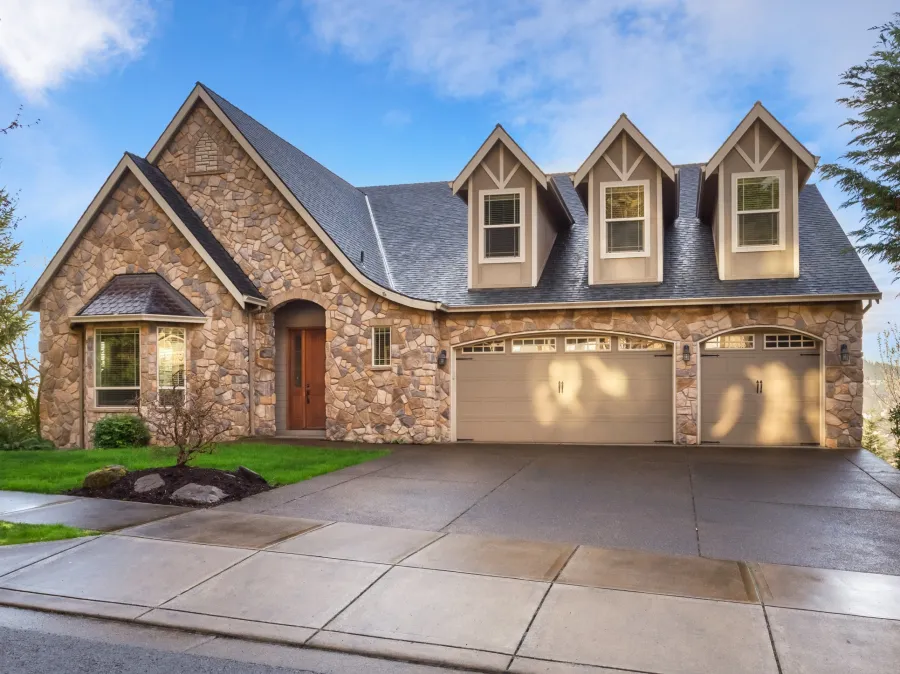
750, 196
514, 214
629, 189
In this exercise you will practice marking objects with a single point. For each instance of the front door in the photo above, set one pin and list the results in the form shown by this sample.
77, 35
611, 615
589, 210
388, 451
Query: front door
306, 383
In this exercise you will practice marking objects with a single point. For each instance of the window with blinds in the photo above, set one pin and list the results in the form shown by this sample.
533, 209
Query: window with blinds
381, 346
625, 216
171, 363
758, 202
502, 225
118, 367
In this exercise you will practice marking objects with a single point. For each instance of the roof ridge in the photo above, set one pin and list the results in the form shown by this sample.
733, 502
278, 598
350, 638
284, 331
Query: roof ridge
266, 128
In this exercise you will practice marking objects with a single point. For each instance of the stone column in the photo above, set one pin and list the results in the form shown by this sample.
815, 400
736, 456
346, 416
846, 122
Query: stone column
686, 393
263, 352
843, 381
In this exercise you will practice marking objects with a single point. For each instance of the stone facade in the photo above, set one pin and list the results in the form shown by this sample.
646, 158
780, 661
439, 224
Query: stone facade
410, 401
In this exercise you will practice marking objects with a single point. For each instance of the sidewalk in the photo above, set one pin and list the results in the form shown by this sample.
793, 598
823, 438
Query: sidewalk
461, 600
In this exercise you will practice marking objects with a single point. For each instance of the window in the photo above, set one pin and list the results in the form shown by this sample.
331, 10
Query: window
534, 345
485, 347
171, 362
118, 367
640, 344
381, 346
787, 341
580, 344
758, 211
625, 218
733, 341
502, 224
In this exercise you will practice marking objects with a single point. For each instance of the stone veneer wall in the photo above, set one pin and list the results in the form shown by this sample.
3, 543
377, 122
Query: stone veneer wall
131, 234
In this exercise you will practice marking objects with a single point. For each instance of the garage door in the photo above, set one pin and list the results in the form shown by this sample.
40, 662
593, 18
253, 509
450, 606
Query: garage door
760, 388
565, 388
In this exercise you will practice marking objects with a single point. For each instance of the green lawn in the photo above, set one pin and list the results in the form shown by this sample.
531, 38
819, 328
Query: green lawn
54, 472
13, 533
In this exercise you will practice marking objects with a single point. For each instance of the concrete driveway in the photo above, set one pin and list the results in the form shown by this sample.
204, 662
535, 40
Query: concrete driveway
805, 507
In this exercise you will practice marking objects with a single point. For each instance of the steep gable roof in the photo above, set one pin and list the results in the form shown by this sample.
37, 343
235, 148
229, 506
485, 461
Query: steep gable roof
648, 148
759, 112
498, 135
183, 218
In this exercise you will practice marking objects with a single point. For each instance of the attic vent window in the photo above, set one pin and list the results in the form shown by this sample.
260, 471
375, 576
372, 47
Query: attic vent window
501, 222
206, 155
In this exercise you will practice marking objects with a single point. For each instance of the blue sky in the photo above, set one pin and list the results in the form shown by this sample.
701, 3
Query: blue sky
387, 91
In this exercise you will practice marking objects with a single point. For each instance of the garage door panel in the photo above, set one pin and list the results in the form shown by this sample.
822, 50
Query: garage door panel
605, 397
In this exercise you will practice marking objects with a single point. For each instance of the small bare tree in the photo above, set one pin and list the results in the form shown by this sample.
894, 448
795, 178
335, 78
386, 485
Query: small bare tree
189, 418
888, 388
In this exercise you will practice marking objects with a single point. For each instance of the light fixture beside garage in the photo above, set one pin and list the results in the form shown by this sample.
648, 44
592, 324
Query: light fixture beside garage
442, 358
845, 353
686, 353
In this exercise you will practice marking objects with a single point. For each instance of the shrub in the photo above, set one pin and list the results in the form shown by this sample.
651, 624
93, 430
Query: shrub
121, 430
17, 433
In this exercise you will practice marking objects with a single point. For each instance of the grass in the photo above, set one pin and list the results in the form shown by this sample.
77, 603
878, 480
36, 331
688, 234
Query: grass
13, 533
57, 471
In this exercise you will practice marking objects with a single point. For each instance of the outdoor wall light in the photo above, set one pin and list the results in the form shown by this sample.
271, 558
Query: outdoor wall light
845, 353
442, 358
686, 353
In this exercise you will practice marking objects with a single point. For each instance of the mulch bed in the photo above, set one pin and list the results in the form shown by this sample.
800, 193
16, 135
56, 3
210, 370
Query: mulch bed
236, 485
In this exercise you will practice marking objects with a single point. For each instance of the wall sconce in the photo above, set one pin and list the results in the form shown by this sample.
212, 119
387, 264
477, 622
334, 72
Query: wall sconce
442, 358
845, 353
686, 353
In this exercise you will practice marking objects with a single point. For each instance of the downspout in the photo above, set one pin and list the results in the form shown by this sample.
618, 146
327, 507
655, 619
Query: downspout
82, 439
869, 306
251, 371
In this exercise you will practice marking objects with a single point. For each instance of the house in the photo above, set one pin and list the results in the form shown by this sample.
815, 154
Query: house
631, 301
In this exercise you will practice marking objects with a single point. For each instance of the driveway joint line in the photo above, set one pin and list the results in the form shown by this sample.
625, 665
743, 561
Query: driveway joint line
762, 603
690, 472
804, 505
582, 664
531, 622
218, 573
88, 539
356, 598
488, 494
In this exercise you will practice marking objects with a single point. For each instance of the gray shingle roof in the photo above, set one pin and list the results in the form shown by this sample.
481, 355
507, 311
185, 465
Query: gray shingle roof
200, 231
423, 227
338, 207
135, 294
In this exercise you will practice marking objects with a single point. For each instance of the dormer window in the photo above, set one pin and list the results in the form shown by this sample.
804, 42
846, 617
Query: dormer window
501, 225
624, 219
758, 211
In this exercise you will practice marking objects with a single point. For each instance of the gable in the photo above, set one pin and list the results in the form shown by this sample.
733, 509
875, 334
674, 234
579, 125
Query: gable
614, 148
499, 136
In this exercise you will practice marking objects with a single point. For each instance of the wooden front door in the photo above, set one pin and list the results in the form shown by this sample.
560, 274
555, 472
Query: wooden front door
306, 380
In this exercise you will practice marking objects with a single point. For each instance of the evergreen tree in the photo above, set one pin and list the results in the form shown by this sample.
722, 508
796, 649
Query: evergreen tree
870, 172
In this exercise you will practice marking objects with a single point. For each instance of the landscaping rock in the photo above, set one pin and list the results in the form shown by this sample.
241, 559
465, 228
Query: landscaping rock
104, 477
248, 474
148, 483
199, 494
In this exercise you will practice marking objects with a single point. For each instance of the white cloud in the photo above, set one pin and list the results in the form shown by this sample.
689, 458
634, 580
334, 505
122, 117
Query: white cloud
685, 71
43, 43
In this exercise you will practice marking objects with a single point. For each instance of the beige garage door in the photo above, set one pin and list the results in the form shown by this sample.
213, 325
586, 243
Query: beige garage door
760, 388
580, 389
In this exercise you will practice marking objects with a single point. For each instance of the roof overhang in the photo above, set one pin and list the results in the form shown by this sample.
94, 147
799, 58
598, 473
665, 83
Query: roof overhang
126, 164
498, 135
648, 148
759, 112
200, 94
680, 302
132, 318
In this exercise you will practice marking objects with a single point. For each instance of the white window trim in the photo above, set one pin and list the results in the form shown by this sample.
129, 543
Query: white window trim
97, 387
548, 341
603, 220
387, 365
482, 227
735, 245
603, 342
471, 348
183, 387
719, 347
788, 348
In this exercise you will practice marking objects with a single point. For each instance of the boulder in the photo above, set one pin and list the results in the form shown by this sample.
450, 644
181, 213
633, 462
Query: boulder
147, 483
248, 474
104, 477
199, 494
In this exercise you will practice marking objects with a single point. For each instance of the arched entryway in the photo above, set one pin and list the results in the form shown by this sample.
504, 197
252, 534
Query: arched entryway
566, 387
761, 386
299, 367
